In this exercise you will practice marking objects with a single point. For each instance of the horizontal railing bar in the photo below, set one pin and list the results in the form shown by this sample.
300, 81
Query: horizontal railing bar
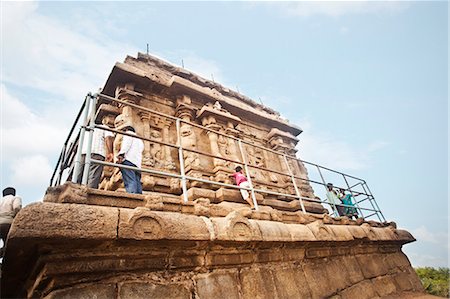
136, 136
220, 133
214, 183
137, 168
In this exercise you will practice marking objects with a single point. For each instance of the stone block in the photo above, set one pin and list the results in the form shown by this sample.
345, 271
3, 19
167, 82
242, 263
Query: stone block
194, 193
143, 224
98, 290
384, 285
229, 258
353, 269
372, 265
257, 283
403, 281
321, 231
219, 284
320, 284
269, 255
362, 290
397, 260
293, 254
274, 231
187, 259
141, 290
289, 285
341, 232
65, 221
236, 227
300, 232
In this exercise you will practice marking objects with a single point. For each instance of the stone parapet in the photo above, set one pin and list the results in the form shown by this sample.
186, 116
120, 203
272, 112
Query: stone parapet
76, 249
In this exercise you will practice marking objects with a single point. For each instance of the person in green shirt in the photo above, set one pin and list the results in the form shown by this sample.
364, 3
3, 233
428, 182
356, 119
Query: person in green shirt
346, 199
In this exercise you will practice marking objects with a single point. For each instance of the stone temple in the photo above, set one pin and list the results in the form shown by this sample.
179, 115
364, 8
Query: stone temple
190, 235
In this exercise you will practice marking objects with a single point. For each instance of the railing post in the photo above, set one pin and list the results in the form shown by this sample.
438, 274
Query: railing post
332, 204
77, 167
372, 200
370, 194
87, 162
295, 184
181, 158
61, 166
354, 198
244, 159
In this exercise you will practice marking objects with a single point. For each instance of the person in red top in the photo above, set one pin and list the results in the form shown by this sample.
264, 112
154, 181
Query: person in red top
241, 181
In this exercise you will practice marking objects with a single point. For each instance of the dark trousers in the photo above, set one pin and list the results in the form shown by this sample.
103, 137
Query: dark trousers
131, 178
4, 230
95, 171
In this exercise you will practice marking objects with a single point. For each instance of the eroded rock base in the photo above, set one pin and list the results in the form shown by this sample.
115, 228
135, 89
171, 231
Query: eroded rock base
164, 249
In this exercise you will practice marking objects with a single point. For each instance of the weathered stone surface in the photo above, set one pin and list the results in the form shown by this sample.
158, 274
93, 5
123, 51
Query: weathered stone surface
384, 285
257, 283
221, 284
362, 290
143, 224
65, 221
100, 291
137, 290
372, 265
106, 243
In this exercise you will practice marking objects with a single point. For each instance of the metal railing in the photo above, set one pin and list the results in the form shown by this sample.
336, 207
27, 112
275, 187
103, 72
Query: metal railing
70, 159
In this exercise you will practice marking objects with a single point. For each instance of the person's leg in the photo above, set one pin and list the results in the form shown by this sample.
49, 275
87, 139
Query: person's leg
4, 230
245, 194
80, 174
95, 172
132, 180
138, 182
128, 177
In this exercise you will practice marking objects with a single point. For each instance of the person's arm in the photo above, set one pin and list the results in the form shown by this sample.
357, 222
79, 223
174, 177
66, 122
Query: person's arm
17, 205
126, 145
109, 140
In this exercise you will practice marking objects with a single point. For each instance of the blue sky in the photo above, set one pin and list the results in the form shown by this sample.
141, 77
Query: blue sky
367, 81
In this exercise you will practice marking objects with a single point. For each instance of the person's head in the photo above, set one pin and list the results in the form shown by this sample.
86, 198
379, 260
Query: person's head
342, 190
9, 191
330, 186
238, 169
129, 128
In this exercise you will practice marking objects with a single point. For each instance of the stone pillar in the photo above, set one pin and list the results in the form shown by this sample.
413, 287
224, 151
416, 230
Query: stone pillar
145, 118
169, 164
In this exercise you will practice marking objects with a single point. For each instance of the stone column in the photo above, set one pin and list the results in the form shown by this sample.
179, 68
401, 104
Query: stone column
145, 118
169, 164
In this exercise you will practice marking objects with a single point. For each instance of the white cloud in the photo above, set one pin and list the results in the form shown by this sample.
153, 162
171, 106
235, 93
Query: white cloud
339, 8
24, 132
31, 171
422, 234
343, 30
45, 54
327, 150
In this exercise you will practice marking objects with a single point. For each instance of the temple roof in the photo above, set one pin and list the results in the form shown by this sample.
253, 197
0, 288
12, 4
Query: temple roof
148, 72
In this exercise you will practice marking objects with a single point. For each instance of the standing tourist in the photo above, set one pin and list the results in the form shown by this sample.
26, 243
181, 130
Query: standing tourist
241, 181
346, 199
102, 148
9, 207
334, 200
130, 154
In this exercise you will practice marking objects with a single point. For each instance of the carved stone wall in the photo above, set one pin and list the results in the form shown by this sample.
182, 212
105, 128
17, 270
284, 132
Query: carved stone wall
70, 247
153, 84
104, 243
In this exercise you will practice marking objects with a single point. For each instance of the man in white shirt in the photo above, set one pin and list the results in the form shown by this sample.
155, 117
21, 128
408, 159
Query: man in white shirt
9, 207
333, 198
102, 147
130, 154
